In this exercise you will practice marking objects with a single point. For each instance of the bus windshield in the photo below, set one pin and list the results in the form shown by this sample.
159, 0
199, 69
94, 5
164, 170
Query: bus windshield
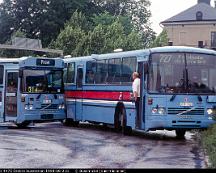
182, 73
42, 81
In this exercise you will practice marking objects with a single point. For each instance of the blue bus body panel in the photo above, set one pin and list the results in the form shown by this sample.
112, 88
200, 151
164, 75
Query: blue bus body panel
178, 114
41, 111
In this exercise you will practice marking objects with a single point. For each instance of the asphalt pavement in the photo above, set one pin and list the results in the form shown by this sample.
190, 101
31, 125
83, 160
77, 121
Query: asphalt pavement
52, 145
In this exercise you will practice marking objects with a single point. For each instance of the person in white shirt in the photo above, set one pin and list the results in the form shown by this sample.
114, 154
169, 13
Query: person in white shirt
136, 91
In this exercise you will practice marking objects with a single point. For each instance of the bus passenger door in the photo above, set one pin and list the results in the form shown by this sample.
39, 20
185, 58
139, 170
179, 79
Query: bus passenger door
1, 93
11, 89
79, 86
140, 120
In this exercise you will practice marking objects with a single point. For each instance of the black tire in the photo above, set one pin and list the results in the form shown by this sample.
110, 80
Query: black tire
180, 133
120, 123
23, 125
117, 121
71, 122
127, 130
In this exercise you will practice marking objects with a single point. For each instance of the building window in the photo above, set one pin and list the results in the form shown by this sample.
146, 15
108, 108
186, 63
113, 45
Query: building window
213, 39
199, 15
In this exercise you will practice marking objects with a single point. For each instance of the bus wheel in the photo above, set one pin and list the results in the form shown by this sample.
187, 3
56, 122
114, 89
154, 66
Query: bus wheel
117, 120
121, 122
180, 133
23, 124
71, 122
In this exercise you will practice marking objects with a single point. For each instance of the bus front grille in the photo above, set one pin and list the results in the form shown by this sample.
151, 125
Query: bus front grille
49, 106
186, 111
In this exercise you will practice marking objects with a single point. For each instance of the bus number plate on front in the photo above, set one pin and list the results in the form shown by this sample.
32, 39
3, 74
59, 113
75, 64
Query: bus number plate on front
185, 117
47, 101
47, 117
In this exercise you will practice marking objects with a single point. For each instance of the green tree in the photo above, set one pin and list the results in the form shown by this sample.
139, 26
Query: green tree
70, 40
134, 41
96, 39
107, 19
161, 40
40, 19
115, 37
78, 19
137, 10
103, 38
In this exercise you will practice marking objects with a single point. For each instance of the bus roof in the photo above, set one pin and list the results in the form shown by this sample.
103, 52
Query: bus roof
19, 60
9, 60
165, 49
181, 49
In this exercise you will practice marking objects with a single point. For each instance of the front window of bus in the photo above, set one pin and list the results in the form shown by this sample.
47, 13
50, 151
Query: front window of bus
182, 73
42, 81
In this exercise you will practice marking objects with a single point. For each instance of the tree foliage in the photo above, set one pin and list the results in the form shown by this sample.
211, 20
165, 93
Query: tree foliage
161, 40
79, 27
105, 36
41, 19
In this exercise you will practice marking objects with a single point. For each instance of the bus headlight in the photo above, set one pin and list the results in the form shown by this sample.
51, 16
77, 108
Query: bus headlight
62, 106
154, 111
29, 107
61, 97
210, 111
161, 111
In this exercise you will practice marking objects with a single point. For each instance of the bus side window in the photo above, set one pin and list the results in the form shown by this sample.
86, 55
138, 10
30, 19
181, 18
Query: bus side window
65, 73
128, 67
102, 72
90, 72
114, 71
1, 79
71, 73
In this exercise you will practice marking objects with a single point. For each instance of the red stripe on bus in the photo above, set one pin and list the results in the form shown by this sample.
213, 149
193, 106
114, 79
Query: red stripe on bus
125, 96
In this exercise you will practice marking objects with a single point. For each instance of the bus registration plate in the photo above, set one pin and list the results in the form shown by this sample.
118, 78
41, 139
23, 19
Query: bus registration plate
47, 101
47, 117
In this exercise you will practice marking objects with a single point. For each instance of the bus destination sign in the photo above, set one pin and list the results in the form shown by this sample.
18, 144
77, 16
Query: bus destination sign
45, 62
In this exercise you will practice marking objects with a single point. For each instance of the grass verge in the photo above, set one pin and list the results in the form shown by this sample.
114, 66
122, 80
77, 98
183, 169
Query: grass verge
208, 139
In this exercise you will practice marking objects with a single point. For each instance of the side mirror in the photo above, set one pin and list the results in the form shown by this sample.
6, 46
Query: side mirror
146, 67
20, 73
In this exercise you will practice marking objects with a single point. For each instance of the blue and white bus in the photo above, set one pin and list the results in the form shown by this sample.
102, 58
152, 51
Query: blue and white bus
31, 90
178, 89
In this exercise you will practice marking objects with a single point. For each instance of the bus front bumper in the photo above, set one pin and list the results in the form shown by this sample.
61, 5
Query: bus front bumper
44, 116
178, 123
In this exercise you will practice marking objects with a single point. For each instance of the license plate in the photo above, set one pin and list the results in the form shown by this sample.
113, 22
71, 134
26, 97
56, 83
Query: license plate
47, 101
186, 104
47, 117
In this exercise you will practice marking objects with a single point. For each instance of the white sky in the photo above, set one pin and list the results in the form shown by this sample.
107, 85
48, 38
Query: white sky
164, 9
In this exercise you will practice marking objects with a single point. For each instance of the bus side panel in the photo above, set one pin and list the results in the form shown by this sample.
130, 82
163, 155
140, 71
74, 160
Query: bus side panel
71, 109
98, 112
131, 116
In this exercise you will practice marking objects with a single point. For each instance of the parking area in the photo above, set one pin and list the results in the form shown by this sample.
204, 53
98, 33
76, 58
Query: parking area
52, 145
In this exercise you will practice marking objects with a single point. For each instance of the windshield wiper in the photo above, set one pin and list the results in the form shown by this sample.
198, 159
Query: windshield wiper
172, 98
200, 98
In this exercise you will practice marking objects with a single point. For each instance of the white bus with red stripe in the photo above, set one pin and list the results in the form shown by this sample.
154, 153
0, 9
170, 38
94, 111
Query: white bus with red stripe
98, 89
